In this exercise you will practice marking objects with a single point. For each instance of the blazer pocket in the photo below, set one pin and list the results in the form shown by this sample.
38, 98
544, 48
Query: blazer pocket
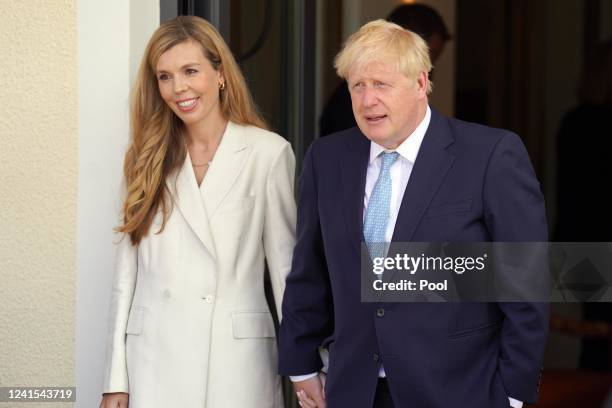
450, 208
135, 320
474, 331
252, 324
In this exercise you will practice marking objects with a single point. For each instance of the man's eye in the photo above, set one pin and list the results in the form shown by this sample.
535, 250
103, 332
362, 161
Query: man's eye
379, 84
358, 85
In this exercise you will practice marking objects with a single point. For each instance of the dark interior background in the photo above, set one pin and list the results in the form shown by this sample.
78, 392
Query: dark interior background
517, 64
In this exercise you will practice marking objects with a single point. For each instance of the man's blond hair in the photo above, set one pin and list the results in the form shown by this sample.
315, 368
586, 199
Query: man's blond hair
380, 40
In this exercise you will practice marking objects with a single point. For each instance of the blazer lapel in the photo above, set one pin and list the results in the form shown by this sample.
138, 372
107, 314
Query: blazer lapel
227, 164
432, 163
187, 198
354, 170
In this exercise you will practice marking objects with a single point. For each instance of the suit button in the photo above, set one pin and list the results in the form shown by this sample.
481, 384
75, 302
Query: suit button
376, 357
209, 298
380, 312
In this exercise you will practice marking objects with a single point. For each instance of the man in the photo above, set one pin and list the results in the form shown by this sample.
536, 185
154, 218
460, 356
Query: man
446, 180
419, 18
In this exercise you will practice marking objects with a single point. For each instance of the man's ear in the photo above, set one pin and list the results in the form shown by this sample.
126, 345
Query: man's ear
422, 83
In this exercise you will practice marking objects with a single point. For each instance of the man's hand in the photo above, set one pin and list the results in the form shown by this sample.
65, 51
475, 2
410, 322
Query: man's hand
310, 392
114, 400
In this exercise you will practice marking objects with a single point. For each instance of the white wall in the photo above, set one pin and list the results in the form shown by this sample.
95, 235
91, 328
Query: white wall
111, 39
38, 193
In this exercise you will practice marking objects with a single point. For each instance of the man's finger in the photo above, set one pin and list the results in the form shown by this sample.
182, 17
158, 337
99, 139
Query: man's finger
305, 401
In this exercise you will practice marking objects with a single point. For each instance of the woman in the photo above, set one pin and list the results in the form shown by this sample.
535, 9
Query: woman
209, 199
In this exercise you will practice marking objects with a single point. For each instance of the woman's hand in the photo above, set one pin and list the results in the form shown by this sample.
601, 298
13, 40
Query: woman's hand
114, 400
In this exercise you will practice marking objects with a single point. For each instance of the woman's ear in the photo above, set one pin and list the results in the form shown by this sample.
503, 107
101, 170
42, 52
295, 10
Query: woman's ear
221, 78
221, 74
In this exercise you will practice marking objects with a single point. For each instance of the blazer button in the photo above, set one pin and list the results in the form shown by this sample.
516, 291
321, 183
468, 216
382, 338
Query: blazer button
376, 357
380, 312
209, 298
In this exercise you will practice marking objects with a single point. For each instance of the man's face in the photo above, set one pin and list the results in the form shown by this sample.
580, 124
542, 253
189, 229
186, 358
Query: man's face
387, 105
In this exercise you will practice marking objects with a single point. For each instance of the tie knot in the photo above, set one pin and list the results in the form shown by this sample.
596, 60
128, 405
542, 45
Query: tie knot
388, 158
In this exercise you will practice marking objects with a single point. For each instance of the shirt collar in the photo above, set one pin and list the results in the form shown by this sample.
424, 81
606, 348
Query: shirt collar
409, 147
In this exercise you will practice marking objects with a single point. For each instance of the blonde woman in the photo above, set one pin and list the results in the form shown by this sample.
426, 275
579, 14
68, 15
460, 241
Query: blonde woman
209, 200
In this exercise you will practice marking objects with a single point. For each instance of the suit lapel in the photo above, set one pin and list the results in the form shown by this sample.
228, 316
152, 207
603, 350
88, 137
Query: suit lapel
227, 164
187, 198
353, 185
430, 168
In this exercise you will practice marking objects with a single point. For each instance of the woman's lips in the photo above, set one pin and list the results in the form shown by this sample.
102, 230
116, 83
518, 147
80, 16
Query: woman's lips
187, 105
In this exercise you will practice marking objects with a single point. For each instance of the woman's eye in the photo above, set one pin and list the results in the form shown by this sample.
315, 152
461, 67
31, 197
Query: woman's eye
164, 77
191, 71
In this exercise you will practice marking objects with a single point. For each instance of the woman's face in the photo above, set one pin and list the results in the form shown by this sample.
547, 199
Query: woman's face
189, 84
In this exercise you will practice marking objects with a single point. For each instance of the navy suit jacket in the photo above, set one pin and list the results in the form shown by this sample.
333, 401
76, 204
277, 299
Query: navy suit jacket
470, 183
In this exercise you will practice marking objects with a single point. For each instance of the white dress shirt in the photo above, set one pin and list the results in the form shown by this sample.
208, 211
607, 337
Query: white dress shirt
400, 172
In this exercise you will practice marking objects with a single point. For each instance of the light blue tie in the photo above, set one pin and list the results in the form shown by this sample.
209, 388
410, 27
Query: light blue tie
377, 213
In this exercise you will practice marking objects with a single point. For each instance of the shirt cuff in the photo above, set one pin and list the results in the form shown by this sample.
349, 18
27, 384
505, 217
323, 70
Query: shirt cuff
297, 378
515, 403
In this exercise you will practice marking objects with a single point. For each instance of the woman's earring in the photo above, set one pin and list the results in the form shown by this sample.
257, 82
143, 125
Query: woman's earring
221, 86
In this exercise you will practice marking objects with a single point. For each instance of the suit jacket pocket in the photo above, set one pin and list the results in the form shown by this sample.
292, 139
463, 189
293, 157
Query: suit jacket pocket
474, 331
135, 320
450, 208
252, 324
328, 341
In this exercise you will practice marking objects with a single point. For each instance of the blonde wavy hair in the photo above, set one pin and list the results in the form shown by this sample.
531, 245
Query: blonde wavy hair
158, 146
380, 40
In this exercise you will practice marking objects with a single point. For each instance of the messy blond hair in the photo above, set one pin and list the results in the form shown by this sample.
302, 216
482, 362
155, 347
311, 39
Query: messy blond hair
380, 40
158, 147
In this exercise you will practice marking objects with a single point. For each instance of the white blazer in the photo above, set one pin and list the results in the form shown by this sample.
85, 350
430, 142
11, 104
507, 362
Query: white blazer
189, 322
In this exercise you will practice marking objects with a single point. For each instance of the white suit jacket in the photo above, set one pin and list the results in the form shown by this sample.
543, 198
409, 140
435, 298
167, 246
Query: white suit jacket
189, 323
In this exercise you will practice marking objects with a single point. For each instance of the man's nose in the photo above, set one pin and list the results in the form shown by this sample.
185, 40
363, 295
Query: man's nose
368, 97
